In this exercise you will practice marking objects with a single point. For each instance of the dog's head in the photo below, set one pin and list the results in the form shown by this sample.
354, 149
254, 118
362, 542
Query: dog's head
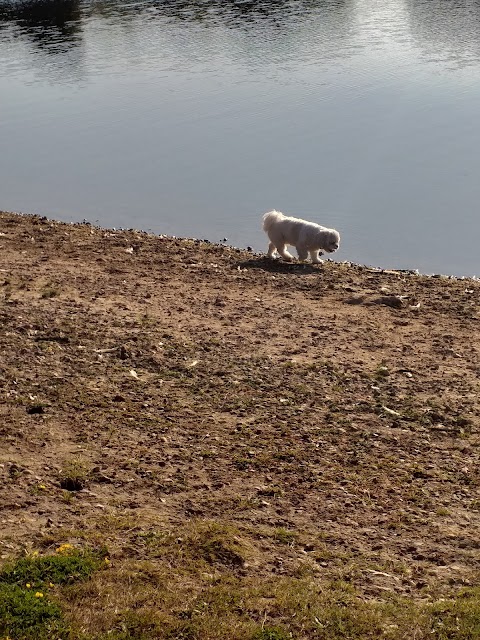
331, 240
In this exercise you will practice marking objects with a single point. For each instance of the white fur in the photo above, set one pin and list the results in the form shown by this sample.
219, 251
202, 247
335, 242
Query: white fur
306, 237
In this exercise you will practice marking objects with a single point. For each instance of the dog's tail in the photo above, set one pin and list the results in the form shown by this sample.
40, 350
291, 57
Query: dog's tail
271, 218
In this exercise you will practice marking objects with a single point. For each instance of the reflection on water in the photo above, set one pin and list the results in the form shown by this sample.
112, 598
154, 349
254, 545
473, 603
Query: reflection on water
53, 25
447, 32
57, 26
61, 20
192, 118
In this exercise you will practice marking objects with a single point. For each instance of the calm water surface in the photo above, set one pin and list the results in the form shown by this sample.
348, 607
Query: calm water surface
193, 118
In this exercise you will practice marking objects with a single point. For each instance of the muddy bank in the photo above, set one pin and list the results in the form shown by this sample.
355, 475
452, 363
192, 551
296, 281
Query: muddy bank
164, 381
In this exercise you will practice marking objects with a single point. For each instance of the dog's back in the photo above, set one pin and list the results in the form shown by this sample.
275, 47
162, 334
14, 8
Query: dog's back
271, 218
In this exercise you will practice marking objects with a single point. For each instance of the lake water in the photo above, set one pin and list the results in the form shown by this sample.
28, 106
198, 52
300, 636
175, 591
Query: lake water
193, 118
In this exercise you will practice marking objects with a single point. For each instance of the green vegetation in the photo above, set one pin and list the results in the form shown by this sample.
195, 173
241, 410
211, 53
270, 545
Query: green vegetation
29, 608
66, 566
193, 587
74, 475
29, 614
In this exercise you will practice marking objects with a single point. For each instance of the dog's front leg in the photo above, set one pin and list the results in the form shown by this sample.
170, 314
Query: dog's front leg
315, 256
302, 252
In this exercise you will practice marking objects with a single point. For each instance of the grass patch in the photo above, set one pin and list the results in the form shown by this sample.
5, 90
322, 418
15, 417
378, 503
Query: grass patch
25, 614
458, 618
73, 476
285, 536
195, 587
214, 544
67, 565
27, 609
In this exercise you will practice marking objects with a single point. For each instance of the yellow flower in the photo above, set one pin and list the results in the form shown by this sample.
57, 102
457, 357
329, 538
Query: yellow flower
28, 585
39, 594
107, 561
64, 548
34, 553
51, 584
42, 486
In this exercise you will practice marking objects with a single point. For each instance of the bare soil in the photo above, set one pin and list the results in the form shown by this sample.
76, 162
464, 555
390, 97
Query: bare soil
330, 413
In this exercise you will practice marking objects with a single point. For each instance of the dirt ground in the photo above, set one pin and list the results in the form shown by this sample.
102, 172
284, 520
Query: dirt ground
161, 381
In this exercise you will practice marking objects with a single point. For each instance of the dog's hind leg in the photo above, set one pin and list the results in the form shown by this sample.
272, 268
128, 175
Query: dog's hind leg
272, 250
314, 255
284, 253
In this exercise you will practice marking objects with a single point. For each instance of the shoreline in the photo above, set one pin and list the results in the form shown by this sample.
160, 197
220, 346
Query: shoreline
255, 254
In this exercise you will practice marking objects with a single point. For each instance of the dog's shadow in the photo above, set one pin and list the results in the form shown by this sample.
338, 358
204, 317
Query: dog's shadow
278, 266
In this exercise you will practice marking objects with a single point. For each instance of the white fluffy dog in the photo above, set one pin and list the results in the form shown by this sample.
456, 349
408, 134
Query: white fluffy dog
306, 237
